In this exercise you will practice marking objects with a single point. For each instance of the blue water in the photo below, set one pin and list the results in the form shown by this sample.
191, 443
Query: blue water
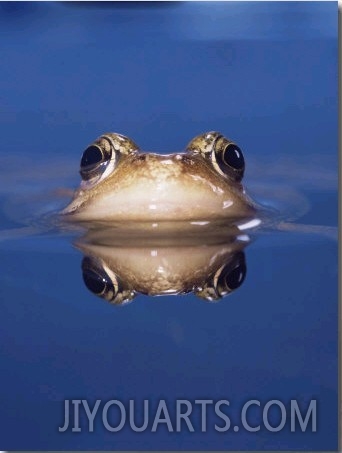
265, 74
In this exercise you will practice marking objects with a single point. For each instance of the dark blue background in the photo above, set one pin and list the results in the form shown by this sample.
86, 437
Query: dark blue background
264, 74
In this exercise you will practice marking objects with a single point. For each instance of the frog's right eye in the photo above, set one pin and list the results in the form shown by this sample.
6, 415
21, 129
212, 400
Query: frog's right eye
94, 161
101, 158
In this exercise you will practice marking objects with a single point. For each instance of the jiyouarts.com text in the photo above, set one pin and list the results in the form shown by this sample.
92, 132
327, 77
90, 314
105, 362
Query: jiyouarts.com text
197, 415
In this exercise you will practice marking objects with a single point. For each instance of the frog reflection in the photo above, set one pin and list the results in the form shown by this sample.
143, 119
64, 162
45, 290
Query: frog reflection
122, 184
119, 271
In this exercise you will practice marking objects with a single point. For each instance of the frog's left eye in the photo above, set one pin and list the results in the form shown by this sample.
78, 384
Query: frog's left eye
228, 158
225, 156
94, 161
232, 157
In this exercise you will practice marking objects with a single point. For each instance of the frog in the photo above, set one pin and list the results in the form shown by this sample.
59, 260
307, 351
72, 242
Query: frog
120, 183
198, 191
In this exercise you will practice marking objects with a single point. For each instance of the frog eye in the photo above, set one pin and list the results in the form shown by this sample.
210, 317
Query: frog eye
231, 277
97, 280
226, 157
104, 283
94, 161
226, 279
229, 159
101, 158
232, 157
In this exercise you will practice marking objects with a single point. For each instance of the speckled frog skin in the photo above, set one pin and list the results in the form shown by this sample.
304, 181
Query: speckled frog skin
121, 183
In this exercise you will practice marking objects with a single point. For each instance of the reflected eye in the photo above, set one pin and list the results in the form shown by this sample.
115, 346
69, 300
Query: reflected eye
231, 277
97, 284
94, 162
97, 280
103, 282
226, 279
233, 157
